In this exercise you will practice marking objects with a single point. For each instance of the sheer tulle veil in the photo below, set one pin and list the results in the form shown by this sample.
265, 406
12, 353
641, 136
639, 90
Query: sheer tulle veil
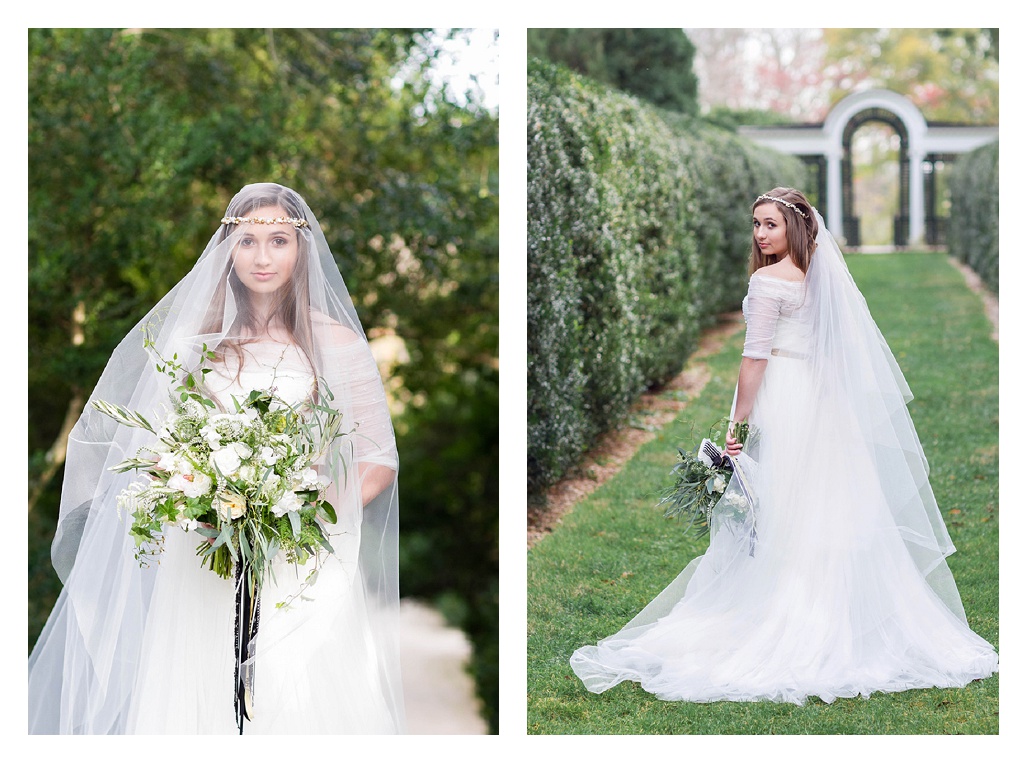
83, 667
861, 387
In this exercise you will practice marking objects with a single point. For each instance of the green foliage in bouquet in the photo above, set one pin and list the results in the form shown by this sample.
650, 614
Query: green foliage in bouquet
701, 479
244, 480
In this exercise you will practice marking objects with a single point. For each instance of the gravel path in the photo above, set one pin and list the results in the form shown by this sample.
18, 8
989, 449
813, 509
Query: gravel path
438, 690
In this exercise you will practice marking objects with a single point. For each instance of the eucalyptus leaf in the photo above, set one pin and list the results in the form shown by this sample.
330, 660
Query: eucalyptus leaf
328, 511
244, 545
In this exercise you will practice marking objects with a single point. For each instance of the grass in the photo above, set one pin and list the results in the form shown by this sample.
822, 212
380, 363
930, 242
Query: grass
614, 552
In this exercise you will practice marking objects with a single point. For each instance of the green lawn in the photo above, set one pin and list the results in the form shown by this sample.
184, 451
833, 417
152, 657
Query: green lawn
614, 551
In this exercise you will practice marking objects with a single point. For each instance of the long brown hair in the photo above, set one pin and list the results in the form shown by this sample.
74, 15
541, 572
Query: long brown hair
290, 306
801, 232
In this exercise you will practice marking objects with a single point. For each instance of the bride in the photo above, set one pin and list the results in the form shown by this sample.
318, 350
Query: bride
846, 590
153, 650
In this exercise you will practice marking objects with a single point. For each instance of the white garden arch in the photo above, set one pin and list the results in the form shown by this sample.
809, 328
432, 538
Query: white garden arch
828, 145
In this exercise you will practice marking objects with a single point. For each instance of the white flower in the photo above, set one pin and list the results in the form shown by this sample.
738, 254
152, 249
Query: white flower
210, 434
226, 460
134, 497
737, 500
193, 408
719, 484
268, 455
229, 505
229, 458
248, 473
270, 484
187, 524
170, 462
307, 480
192, 485
288, 502
228, 425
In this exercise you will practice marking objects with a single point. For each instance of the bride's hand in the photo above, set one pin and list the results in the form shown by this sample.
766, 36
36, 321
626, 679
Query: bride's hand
209, 526
731, 446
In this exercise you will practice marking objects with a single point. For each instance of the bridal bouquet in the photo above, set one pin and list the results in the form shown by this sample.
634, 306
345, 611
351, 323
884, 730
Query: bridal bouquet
701, 479
245, 479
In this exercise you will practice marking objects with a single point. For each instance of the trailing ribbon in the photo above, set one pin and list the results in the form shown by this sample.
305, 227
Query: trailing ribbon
247, 620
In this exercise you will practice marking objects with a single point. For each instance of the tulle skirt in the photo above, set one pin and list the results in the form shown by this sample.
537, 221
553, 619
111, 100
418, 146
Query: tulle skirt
314, 663
830, 603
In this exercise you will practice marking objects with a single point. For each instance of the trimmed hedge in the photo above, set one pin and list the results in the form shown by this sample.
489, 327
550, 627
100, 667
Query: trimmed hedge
973, 230
638, 231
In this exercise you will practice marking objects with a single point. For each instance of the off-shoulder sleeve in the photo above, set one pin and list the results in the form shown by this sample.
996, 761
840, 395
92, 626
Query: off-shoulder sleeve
351, 373
763, 307
374, 439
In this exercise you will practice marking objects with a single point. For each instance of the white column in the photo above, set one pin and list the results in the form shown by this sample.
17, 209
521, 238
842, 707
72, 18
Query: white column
917, 215
834, 192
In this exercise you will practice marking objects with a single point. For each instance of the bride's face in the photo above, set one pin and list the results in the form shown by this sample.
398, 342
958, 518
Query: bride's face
768, 228
266, 254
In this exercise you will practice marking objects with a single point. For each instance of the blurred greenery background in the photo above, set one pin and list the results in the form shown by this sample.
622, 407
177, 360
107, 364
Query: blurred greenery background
138, 138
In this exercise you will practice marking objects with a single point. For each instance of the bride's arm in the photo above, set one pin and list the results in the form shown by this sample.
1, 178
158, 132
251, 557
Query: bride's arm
764, 308
750, 375
374, 480
353, 374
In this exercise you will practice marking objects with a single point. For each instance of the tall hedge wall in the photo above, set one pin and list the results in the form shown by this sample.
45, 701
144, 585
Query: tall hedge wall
973, 230
638, 232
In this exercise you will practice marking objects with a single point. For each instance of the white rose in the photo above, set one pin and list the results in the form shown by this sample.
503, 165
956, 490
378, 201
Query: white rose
229, 505
719, 484
288, 502
737, 500
244, 450
192, 485
227, 460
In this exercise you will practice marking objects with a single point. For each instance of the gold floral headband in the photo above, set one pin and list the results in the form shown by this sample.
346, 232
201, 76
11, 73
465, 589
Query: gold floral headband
782, 201
295, 222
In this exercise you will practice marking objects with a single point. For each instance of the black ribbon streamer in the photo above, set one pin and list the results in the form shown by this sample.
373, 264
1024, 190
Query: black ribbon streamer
247, 620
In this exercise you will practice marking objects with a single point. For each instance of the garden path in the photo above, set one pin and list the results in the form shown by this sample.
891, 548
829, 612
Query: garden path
439, 692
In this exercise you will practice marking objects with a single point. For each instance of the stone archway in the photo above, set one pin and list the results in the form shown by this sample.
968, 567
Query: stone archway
850, 222
826, 145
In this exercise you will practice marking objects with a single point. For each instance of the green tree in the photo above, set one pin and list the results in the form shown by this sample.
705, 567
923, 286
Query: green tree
950, 74
653, 64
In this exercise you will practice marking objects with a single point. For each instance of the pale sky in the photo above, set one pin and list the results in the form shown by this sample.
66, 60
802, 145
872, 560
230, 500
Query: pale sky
470, 61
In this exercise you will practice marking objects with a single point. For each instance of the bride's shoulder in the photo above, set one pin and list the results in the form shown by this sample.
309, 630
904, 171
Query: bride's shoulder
783, 270
330, 330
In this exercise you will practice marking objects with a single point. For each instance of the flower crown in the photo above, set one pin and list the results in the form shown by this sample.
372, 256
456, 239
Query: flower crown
295, 222
786, 203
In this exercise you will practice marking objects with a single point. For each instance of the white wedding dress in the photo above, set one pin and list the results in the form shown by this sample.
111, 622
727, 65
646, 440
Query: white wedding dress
831, 603
314, 663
